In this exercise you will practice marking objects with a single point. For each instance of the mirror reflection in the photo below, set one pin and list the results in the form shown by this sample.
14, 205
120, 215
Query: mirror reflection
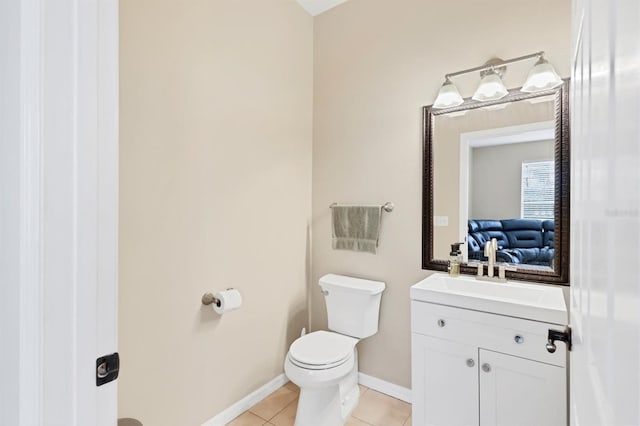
494, 177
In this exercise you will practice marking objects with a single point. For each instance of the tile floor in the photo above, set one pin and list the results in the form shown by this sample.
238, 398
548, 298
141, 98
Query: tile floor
374, 409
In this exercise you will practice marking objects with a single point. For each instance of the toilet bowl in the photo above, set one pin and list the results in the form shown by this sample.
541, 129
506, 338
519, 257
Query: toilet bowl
324, 364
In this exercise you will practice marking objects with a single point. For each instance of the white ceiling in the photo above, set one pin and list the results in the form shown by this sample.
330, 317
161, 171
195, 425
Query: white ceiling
316, 7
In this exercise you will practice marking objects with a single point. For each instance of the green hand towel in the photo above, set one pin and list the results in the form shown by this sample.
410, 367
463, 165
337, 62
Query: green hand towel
356, 228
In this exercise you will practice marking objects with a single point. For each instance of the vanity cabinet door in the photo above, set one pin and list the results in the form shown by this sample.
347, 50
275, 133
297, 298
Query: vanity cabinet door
518, 391
445, 382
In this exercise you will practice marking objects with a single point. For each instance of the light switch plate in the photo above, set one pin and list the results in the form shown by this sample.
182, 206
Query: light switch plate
441, 220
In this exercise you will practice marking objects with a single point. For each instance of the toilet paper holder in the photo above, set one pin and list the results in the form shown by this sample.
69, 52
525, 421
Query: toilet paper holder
210, 299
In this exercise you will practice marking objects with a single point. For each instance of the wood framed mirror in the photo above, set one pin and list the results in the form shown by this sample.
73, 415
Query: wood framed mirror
499, 169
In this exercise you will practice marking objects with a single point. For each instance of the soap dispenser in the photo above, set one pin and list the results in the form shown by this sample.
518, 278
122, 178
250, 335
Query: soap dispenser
455, 259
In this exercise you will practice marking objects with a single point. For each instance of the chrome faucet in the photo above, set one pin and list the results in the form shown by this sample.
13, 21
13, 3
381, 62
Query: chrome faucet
490, 249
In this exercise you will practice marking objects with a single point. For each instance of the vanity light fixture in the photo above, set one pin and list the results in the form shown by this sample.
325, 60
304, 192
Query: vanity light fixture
491, 88
448, 96
541, 77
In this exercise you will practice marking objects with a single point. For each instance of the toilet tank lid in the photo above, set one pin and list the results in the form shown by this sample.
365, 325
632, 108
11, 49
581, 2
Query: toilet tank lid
353, 284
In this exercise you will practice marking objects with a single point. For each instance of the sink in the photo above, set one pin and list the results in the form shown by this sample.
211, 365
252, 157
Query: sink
515, 299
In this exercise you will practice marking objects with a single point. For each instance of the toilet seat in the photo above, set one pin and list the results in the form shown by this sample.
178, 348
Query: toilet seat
322, 350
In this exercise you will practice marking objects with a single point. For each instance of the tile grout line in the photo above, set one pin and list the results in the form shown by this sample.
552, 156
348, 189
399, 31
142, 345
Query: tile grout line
260, 417
367, 423
276, 414
284, 408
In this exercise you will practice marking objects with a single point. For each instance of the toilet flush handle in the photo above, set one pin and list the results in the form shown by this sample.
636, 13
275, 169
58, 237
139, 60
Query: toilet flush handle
325, 292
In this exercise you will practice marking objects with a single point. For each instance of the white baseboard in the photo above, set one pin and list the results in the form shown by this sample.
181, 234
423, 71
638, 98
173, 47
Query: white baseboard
387, 388
258, 395
247, 402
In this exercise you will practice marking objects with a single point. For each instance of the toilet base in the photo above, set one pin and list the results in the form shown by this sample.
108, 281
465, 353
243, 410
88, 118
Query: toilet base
349, 402
319, 407
350, 391
329, 405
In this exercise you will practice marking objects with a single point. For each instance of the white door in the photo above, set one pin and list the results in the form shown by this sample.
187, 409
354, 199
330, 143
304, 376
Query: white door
518, 391
605, 213
58, 210
445, 378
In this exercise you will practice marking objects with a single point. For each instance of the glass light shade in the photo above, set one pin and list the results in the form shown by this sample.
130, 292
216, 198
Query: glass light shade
448, 96
541, 77
491, 88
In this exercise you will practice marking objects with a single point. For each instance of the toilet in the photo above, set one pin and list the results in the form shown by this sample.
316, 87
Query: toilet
324, 364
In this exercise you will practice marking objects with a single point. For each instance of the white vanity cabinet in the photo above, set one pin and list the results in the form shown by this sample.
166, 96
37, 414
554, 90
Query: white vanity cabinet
519, 391
444, 382
478, 368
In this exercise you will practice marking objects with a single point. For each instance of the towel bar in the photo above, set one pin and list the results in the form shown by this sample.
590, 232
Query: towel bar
387, 207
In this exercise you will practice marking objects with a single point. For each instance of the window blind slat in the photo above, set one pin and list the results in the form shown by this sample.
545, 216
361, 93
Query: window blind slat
538, 190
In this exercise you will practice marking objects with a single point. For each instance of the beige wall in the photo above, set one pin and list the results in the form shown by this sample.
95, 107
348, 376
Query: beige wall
496, 177
215, 158
377, 62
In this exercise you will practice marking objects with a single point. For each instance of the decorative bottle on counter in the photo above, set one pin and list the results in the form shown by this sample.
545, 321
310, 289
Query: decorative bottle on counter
455, 259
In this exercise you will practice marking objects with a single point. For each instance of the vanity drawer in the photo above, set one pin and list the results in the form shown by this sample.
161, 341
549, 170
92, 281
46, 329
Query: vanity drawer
513, 336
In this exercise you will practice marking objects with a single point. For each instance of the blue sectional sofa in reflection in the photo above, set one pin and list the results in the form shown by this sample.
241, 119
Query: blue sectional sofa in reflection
520, 241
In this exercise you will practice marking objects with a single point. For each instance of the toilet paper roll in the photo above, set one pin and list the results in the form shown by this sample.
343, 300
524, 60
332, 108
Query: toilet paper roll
230, 300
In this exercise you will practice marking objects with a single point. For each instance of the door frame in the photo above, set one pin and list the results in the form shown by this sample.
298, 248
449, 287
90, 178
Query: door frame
60, 208
521, 133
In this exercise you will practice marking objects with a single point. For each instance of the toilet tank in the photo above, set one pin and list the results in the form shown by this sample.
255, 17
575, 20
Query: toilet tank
353, 304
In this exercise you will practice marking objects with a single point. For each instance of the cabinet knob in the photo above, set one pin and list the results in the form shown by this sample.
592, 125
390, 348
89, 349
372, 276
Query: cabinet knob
470, 362
518, 339
486, 367
441, 323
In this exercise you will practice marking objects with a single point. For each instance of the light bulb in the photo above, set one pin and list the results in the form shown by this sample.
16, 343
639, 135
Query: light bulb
491, 88
448, 96
541, 77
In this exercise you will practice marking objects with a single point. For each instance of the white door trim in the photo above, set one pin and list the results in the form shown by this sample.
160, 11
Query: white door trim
59, 123
31, 214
